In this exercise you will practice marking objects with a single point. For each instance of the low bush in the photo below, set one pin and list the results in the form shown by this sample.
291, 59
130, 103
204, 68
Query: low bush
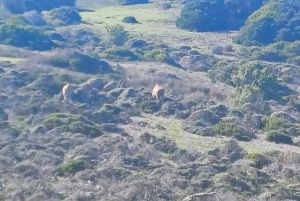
274, 124
62, 16
230, 129
76, 61
117, 35
22, 6
274, 136
119, 54
159, 55
25, 36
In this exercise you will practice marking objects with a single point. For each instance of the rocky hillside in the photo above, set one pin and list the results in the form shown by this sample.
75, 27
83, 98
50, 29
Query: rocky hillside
228, 128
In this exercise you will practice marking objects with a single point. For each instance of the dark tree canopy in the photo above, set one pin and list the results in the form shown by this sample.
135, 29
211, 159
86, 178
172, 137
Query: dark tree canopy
21, 6
273, 22
216, 15
25, 36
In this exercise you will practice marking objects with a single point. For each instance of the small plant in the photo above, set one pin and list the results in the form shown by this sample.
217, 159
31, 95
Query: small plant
117, 34
274, 136
72, 166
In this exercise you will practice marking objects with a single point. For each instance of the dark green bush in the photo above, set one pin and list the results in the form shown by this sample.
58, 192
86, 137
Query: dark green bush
274, 136
252, 79
83, 128
76, 61
62, 16
119, 54
21, 6
25, 36
208, 15
275, 21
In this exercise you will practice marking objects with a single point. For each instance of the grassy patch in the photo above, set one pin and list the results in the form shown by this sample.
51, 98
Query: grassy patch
72, 166
71, 123
151, 20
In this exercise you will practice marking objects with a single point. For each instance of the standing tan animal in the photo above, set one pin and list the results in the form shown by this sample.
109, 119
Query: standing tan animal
158, 93
67, 91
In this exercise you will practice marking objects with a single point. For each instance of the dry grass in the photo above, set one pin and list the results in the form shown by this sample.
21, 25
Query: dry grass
195, 86
15, 52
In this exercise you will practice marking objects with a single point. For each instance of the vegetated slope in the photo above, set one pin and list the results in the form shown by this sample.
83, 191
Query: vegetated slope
227, 128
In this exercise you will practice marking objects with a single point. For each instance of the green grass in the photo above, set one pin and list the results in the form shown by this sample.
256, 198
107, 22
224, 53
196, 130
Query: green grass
153, 22
191, 142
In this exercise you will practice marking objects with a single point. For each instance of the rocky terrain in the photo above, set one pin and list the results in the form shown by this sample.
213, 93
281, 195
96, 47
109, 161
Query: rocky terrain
214, 138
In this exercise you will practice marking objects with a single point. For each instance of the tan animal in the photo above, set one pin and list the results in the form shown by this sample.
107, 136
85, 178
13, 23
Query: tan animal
158, 93
67, 91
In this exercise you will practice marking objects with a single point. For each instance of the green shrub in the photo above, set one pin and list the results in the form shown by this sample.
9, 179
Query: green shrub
72, 123
230, 129
72, 167
259, 160
159, 55
59, 62
117, 34
21, 6
62, 16
25, 36
129, 19
274, 136
275, 21
76, 61
83, 128
119, 54
247, 94
274, 124
207, 15
281, 51
253, 81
